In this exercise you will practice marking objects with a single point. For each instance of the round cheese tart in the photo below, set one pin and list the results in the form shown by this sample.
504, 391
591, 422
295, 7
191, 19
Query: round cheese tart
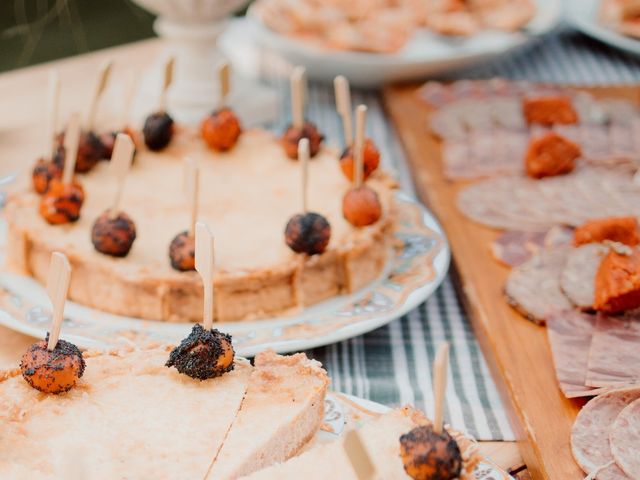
247, 195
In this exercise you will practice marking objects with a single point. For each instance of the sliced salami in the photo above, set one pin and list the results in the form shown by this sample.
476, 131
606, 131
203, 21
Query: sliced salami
519, 203
579, 274
625, 439
614, 356
570, 336
533, 288
591, 430
513, 248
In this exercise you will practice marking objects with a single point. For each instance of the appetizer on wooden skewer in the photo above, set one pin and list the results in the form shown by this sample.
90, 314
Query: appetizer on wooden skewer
429, 451
307, 232
361, 205
90, 148
159, 126
222, 128
371, 155
53, 365
64, 198
114, 232
206, 352
182, 250
300, 128
47, 167
108, 139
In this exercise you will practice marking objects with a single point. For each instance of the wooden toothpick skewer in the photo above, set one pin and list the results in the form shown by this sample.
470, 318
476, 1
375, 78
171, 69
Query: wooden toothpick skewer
298, 81
119, 167
51, 125
204, 266
168, 78
303, 158
358, 146
57, 288
224, 77
343, 106
130, 88
440, 367
191, 189
71, 141
360, 460
101, 85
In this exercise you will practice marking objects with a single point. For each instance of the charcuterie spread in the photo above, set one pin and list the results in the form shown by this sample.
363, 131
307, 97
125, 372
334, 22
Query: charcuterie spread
553, 171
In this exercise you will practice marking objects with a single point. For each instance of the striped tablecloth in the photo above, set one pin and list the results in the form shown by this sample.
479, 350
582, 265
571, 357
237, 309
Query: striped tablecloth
392, 365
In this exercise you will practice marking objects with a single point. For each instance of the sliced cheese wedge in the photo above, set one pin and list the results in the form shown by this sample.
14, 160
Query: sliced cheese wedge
282, 410
128, 417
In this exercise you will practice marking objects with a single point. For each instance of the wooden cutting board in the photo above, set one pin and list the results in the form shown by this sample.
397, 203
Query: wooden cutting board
517, 350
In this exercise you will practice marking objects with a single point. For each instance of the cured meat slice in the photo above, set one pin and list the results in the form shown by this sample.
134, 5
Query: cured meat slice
513, 248
590, 433
625, 439
579, 273
533, 288
614, 356
570, 336
518, 203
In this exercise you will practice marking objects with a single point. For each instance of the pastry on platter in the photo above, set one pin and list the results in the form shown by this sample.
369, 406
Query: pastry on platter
247, 195
130, 416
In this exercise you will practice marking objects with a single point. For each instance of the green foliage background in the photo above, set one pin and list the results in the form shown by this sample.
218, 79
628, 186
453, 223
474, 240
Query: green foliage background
34, 31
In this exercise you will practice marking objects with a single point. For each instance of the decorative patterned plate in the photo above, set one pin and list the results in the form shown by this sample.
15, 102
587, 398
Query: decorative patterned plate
343, 411
418, 266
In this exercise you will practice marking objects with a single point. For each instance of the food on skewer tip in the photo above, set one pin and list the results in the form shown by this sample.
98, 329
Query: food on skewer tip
62, 202
300, 128
43, 173
52, 371
429, 455
371, 160
203, 354
371, 155
293, 135
158, 130
182, 252
307, 232
114, 232
108, 140
222, 128
64, 197
53, 365
113, 235
90, 151
159, 127
360, 205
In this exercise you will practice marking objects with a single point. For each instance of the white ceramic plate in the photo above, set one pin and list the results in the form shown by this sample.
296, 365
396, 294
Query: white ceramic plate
415, 271
341, 411
425, 54
583, 15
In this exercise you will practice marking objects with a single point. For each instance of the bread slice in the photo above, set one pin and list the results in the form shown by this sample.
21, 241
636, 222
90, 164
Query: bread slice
128, 417
330, 461
281, 412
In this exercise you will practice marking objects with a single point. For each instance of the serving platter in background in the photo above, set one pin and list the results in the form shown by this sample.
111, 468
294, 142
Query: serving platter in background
516, 349
584, 16
425, 54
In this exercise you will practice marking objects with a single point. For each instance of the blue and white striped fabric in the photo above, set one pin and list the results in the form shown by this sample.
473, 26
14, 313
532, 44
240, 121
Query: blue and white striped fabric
392, 364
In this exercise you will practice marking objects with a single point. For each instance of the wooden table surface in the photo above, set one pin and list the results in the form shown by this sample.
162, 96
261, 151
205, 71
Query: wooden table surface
22, 96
